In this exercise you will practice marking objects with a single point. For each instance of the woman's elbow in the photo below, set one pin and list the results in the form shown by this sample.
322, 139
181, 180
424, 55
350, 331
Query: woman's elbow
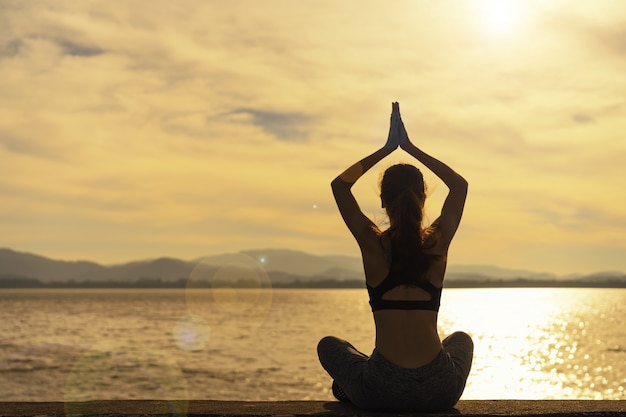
461, 184
337, 183
464, 183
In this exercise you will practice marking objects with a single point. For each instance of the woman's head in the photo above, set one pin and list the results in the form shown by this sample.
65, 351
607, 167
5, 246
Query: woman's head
402, 191
402, 185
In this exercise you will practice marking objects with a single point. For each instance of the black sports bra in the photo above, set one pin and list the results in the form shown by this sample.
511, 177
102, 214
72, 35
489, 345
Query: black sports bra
395, 278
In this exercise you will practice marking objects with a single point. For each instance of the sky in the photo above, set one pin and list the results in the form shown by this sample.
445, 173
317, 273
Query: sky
138, 129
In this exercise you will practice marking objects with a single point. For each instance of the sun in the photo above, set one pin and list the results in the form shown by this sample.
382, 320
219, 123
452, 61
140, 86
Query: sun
500, 18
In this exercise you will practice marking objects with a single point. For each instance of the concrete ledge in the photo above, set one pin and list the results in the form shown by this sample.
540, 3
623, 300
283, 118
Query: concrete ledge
552, 408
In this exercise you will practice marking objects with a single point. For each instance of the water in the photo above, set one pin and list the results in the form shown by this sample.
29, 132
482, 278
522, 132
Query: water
69, 345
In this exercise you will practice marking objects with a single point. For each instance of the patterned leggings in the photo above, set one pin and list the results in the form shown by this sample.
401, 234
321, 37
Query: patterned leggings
374, 383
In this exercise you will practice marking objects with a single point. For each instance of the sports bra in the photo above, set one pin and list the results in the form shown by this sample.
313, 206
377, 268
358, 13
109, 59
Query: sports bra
395, 278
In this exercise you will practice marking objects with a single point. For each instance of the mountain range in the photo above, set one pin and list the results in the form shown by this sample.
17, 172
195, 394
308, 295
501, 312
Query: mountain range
283, 267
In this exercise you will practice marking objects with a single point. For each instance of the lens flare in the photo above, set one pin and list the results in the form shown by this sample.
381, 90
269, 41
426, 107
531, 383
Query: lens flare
25, 371
119, 372
232, 296
191, 333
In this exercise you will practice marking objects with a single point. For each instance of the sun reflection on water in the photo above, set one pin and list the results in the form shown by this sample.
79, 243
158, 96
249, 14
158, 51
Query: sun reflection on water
533, 343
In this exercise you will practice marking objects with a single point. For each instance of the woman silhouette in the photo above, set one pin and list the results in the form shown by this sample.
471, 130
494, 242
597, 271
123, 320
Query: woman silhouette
411, 369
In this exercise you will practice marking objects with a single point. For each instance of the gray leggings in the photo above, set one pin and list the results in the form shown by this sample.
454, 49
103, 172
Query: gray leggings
374, 383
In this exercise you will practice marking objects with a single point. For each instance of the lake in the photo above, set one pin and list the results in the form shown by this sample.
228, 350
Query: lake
246, 344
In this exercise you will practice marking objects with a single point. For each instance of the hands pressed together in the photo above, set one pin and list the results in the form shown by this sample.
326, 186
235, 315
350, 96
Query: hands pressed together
397, 132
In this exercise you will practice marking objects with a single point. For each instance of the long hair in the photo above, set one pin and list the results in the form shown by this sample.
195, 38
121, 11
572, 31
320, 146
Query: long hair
403, 193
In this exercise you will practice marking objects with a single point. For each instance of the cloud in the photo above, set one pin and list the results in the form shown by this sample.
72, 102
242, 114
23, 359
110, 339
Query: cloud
11, 48
11, 143
284, 126
22, 144
596, 28
582, 118
610, 38
75, 49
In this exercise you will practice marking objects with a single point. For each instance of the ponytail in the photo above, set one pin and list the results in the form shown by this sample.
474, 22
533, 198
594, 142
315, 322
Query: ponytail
404, 196
405, 215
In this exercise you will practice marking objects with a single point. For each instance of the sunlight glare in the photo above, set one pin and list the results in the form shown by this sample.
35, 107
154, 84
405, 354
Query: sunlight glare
501, 17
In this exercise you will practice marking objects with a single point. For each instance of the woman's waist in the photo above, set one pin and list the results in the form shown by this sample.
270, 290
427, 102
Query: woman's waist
412, 349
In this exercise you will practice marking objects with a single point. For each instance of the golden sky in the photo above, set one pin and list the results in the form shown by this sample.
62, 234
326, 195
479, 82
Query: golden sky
136, 129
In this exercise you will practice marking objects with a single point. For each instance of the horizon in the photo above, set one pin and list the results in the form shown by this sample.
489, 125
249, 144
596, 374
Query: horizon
262, 261
197, 128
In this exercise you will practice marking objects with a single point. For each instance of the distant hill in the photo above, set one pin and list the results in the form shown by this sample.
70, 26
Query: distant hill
47, 270
295, 262
284, 268
480, 272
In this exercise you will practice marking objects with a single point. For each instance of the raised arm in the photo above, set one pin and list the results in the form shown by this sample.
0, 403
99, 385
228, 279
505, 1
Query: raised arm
452, 210
361, 227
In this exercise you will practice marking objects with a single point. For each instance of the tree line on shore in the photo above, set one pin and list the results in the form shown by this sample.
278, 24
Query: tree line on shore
9, 281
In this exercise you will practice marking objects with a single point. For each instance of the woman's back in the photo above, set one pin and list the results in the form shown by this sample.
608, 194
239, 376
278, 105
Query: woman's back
405, 336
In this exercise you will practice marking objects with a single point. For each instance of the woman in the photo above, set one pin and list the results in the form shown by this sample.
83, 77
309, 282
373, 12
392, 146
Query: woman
410, 368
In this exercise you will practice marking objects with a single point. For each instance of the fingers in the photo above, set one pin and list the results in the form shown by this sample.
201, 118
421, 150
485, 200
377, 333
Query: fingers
393, 141
397, 131
395, 109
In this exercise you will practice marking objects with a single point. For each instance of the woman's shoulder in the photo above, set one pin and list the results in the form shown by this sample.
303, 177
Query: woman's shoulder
434, 244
